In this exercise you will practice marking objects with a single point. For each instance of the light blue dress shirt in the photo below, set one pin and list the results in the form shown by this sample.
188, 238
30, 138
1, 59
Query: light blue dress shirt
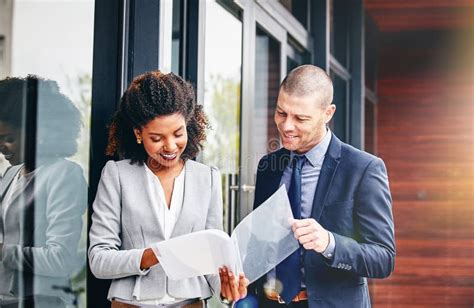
309, 180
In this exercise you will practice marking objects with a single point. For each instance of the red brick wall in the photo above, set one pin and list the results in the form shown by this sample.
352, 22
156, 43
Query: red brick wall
426, 137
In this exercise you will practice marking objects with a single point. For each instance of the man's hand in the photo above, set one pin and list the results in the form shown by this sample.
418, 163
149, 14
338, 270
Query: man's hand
232, 289
310, 234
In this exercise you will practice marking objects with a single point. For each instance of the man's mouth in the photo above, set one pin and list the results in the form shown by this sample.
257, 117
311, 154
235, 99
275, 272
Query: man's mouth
289, 137
170, 156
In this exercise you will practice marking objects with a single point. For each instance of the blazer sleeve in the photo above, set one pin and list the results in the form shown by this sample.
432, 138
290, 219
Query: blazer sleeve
65, 198
372, 253
106, 259
214, 219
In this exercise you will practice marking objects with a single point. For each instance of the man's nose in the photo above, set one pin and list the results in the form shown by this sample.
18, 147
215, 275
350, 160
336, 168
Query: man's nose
288, 125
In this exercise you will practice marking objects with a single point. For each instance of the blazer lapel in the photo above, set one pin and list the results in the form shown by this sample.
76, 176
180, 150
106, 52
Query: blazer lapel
328, 170
26, 190
8, 179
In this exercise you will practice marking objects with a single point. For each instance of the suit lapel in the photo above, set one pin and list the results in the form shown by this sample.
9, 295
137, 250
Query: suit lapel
271, 178
328, 170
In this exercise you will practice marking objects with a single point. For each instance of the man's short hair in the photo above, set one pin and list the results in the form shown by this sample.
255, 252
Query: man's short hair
308, 80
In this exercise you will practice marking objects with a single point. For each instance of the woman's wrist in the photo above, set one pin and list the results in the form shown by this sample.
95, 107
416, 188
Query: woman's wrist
148, 259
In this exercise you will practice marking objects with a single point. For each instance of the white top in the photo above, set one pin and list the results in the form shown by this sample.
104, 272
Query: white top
167, 216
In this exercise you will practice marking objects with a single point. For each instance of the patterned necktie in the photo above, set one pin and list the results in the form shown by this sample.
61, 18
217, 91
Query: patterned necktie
288, 272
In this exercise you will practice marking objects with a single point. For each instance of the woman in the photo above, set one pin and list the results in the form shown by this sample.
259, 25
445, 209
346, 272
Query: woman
155, 193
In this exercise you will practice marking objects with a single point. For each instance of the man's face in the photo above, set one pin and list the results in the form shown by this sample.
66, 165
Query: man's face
301, 121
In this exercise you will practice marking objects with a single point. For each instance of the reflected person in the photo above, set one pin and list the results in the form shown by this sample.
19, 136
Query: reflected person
340, 199
154, 193
42, 195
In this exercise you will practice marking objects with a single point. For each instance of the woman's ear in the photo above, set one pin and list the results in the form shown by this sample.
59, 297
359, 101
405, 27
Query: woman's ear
138, 135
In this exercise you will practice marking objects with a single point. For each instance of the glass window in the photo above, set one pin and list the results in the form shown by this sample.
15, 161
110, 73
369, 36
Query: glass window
299, 9
267, 81
339, 27
339, 123
297, 55
2, 55
370, 54
45, 100
370, 129
176, 38
222, 83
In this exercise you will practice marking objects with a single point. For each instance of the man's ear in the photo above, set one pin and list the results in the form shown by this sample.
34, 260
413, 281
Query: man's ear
329, 113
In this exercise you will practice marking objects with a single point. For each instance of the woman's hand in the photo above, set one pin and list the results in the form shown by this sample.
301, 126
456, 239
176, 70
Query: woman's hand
232, 288
148, 259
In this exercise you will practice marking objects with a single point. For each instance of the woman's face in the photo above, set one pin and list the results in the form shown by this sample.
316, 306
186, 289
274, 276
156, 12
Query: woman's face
11, 143
164, 139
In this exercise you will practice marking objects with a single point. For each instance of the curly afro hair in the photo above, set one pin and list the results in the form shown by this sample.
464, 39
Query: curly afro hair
150, 95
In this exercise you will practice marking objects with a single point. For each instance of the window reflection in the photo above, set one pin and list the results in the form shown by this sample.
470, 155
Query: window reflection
43, 195
44, 140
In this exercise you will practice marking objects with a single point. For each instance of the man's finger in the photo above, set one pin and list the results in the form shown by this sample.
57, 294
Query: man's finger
303, 231
306, 239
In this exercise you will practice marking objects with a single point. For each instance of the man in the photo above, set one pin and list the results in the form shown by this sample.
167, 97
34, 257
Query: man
339, 196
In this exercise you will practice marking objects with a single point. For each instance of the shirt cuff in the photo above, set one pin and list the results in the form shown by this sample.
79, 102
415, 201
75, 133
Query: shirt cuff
329, 252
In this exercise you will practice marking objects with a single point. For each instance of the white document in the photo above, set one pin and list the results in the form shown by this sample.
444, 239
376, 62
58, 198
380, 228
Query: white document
261, 240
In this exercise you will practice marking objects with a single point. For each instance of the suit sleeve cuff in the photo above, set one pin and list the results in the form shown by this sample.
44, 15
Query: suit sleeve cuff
328, 253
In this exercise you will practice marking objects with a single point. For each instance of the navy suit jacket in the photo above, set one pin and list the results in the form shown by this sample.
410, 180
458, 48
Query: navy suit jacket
352, 200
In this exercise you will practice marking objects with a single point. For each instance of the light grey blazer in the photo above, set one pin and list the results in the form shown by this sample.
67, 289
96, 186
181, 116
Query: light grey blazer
124, 223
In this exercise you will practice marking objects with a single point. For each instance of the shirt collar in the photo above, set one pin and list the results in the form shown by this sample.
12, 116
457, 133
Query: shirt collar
317, 153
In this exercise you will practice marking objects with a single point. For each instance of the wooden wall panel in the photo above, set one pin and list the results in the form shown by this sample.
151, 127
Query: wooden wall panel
426, 138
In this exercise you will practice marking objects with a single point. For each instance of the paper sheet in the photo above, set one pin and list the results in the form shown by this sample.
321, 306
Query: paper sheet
261, 241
